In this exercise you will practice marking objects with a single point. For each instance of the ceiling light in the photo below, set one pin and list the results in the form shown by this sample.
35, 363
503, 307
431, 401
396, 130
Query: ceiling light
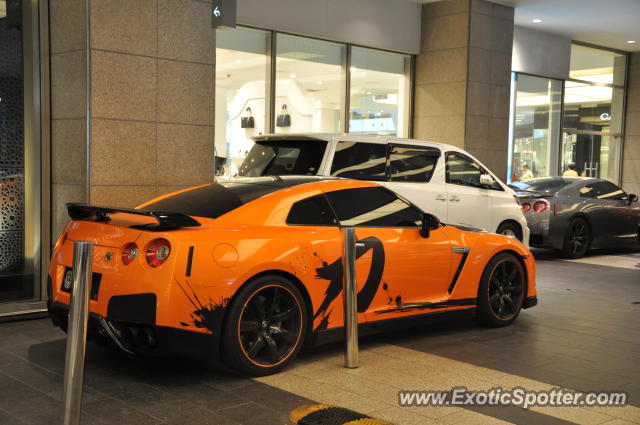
318, 82
292, 76
537, 21
237, 61
631, 41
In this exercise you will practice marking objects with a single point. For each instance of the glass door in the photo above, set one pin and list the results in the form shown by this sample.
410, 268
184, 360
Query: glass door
593, 154
593, 110
535, 127
20, 167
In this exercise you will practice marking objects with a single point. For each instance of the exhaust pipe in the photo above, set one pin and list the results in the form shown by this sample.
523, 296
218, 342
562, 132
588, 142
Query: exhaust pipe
113, 334
146, 338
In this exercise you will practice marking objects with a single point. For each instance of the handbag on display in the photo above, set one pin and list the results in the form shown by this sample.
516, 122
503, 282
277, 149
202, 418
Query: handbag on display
283, 119
247, 121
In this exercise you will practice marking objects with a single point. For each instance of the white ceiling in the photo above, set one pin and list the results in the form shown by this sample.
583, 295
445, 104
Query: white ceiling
608, 23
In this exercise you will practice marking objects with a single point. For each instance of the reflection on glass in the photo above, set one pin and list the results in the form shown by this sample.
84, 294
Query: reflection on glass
17, 235
373, 207
409, 164
361, 161
596, 65
310, 83
593, 110
593, 154
278, 158
379, 98
592, 107
536, 127
241, 90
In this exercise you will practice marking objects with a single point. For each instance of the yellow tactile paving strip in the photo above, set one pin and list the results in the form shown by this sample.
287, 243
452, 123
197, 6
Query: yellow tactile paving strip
304, 412
385, 369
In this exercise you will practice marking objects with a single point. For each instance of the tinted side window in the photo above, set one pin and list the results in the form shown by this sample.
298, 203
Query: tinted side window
412, 164
314, 211
587, 191
361, 161
462, 170
608, 190
283, 158
373, 207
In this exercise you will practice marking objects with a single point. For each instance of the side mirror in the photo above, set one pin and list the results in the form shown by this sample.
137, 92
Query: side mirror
633, 198
486, 180
429, 222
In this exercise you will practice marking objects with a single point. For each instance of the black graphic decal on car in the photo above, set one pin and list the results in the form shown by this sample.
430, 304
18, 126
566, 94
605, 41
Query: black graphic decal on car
204, 316
333, 273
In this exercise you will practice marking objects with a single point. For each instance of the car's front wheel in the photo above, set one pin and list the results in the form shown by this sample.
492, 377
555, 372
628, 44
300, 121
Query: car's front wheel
510, 229
265, 327
501, 291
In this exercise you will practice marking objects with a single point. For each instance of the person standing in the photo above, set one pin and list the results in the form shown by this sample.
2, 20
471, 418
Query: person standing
526, 173
571, 171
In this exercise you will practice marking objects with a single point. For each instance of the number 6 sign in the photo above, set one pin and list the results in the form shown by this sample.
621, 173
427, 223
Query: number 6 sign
223, 13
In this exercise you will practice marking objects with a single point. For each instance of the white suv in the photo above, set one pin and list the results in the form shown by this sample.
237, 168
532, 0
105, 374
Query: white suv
441, 179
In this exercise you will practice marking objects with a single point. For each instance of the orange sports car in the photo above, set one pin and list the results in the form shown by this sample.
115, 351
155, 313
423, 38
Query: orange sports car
251, 270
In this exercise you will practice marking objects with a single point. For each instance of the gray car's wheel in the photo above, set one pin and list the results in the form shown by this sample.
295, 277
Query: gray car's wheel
577, 239
510, 229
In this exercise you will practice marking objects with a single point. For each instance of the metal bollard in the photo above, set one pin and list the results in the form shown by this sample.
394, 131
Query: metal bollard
77, 331
350, 295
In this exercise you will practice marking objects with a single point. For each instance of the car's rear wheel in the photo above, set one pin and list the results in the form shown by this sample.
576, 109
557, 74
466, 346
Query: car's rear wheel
501, 291
510, 229
265, 326
577, 239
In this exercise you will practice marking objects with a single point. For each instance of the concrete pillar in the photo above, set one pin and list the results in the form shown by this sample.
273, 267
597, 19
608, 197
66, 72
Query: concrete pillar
463, 78
68, 44
631, 152
136, 120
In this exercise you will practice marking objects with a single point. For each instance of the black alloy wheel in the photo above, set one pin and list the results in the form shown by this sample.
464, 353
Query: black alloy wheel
502, 291
266, 326
577, 239
270, 325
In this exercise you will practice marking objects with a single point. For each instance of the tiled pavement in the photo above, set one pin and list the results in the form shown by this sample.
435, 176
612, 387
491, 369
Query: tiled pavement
585, 334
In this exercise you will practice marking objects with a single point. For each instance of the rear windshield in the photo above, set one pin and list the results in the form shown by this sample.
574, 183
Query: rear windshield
216, 199
541, 185
278, 158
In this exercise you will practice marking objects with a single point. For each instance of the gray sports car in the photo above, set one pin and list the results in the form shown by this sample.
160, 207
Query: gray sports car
575, 214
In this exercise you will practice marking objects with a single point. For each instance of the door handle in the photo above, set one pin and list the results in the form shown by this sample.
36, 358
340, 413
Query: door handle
454, 198
441, 198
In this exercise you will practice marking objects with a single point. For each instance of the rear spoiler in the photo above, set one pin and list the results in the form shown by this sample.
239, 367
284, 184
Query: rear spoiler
525, 195
166, 220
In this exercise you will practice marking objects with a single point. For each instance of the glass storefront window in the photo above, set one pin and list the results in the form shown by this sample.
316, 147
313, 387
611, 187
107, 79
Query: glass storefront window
380, 92
536, 127
269, 82
310, 83
596, 65
593, 111
242, 70
20, 219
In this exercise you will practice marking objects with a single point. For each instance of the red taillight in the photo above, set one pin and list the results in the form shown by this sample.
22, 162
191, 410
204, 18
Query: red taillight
540, 206
158, 251
129, 253
526, 207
